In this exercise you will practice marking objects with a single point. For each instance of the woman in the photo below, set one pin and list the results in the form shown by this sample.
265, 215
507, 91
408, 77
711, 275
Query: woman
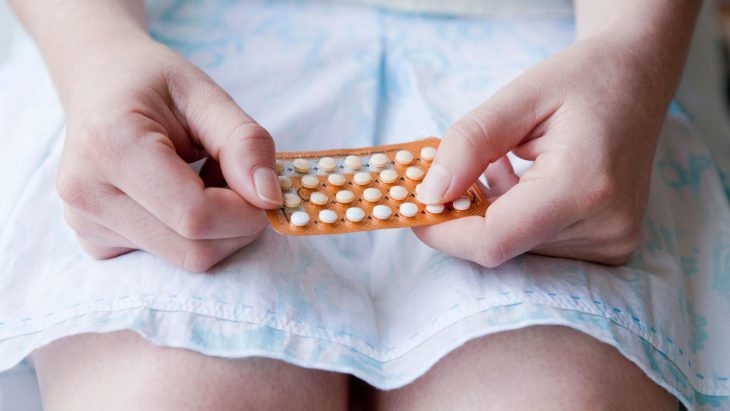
589, 117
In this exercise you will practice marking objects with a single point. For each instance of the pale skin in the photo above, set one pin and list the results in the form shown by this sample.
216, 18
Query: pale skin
589, 117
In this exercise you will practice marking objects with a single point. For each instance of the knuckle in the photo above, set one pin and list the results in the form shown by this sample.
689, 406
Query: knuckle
200, 257
72, 190
253, 134
601, 192
195, 222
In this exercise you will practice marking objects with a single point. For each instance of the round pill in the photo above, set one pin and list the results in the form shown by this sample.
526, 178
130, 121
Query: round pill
300, 165
327, 164
279, 166
355, 214
285, 182
398, 193
435, 208
388, 176
418, 187
336, 179
299, 218
461, 204
414, 173
372, 195
362, 178
327, 216
379, 160
344, 196
404, 157
408, 209
382, 212
309, 181
353, 162
318, 198
428, 153
292, 200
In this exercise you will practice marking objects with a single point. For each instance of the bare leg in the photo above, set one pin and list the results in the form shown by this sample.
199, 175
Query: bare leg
537, 368
122, 371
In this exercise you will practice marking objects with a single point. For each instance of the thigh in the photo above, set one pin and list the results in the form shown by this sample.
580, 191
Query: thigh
123, 371
536, 368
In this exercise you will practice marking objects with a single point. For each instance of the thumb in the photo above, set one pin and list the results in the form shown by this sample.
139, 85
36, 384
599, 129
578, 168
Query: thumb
245, 150
480, 138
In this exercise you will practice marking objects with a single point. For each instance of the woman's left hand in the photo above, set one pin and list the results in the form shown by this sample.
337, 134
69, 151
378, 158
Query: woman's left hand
589, 118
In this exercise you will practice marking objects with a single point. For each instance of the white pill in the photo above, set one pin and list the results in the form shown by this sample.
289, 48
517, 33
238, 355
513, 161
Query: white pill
279, 166
337, 180
362, 178
435, 208
379, 160
414, 173
461, 204
398, 193
408, 209
353, 162
309, 181
292, 200
418, 187
355, 214
300, 165
327, 164
388, 176
382, 212
404, 157
299, 218
344, 196
428, 153
318, 198
285, 182
372, 195
327, 216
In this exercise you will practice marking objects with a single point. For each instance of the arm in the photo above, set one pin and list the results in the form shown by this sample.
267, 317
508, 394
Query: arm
589, 117
658, 33
68, 32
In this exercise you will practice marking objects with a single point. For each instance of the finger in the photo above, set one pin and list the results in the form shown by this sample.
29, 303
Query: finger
161, 182
132, 221
483, 136
501, 176
523, 218
90, 232
100, 252
244, 149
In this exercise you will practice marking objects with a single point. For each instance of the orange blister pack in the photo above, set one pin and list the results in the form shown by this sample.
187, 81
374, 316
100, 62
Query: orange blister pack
362, 189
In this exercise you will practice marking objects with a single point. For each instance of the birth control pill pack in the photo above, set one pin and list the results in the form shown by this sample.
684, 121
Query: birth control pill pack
363, 189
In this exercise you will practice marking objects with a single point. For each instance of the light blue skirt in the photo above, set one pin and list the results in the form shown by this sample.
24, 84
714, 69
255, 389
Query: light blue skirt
381, 306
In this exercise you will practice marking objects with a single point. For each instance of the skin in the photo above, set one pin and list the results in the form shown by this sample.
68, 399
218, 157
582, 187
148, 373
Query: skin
589, 117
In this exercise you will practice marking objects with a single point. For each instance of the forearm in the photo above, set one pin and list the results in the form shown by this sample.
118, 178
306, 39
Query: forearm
70, 32
655, 33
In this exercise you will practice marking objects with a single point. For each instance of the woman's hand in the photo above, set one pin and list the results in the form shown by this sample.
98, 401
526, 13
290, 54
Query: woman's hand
137, 115
589, 118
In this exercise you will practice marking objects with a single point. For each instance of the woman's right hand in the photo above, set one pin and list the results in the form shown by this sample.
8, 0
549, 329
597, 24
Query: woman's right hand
138, 113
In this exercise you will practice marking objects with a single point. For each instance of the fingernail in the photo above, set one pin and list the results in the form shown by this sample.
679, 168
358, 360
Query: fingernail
267, 185
434, 186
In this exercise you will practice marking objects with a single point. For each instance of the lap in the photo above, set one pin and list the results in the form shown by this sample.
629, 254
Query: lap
543, 367
121, 370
